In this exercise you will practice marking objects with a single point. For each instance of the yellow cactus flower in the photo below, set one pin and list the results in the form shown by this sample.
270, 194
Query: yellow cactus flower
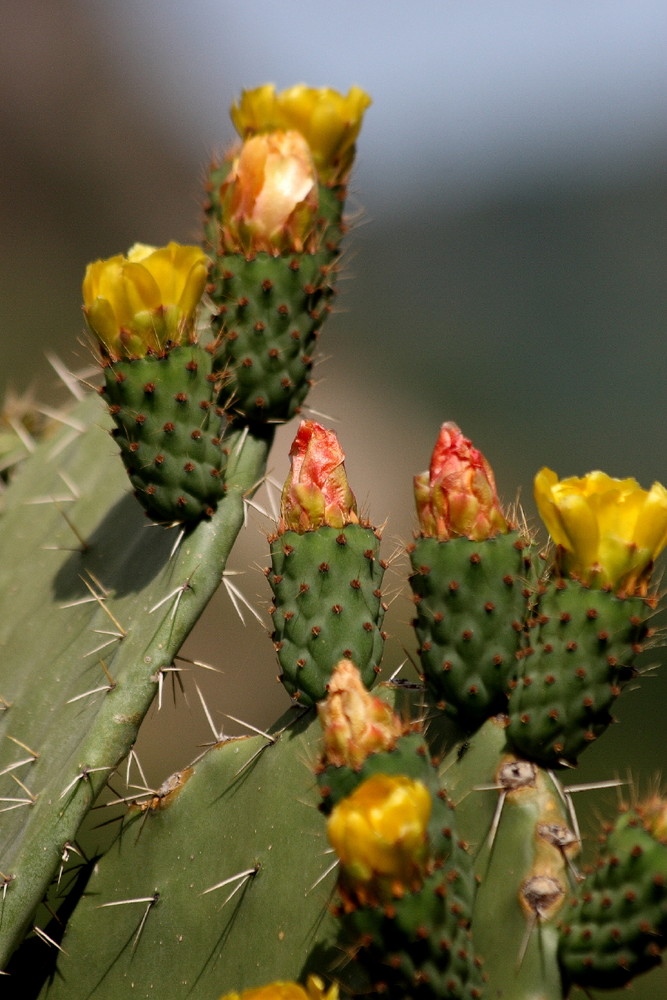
270, 196
356, 724
329, 121
608, 531
313, 990
379, 833
142, 303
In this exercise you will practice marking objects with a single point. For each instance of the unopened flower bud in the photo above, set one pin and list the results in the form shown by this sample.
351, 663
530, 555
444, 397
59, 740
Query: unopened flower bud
329, 121
608, 532
145, 302
316, 491
457, 496
380, 834
356, 724
269, 198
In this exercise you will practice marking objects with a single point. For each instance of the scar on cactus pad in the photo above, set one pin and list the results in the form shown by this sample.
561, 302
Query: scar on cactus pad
326, 572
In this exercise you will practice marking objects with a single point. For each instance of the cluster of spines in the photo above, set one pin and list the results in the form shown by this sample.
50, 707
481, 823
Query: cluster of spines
616, 926
418, 944
168, 429
471, 603
580, 650
269, 309
328, 606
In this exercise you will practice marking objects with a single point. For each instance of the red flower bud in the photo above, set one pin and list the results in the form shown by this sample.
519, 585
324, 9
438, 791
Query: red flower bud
457, 496
316, 491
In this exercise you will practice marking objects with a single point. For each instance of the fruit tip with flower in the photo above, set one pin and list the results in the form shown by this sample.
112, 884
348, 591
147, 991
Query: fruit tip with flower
608, 532
269, 198
316, 492
329, 121
380, 834
144, 303
457, 497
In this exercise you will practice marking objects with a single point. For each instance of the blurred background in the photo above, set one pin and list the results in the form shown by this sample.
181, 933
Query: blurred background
505, 269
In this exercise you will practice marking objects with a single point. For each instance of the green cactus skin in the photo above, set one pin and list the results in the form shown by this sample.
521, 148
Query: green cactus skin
471, 608
513, 816
420, 944
168, 431
269, 310
74, 687
581, 653
327, 606
228, 818
616, 925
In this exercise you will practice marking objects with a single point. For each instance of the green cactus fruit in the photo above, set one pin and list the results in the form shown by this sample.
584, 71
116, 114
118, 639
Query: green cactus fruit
471, 607
581, 653
269, 310
168, 431
327, 606
616, 925
419, 942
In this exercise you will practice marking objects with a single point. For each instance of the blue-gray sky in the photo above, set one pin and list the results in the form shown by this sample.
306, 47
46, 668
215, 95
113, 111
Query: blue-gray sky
479, 92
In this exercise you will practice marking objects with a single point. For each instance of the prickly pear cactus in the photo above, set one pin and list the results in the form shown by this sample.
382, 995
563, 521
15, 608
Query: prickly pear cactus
416, 841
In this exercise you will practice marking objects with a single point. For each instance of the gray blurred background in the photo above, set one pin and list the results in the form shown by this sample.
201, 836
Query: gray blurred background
506, 268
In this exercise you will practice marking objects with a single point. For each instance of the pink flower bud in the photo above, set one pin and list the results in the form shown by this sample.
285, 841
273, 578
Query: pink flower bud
457, 496
316, 491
